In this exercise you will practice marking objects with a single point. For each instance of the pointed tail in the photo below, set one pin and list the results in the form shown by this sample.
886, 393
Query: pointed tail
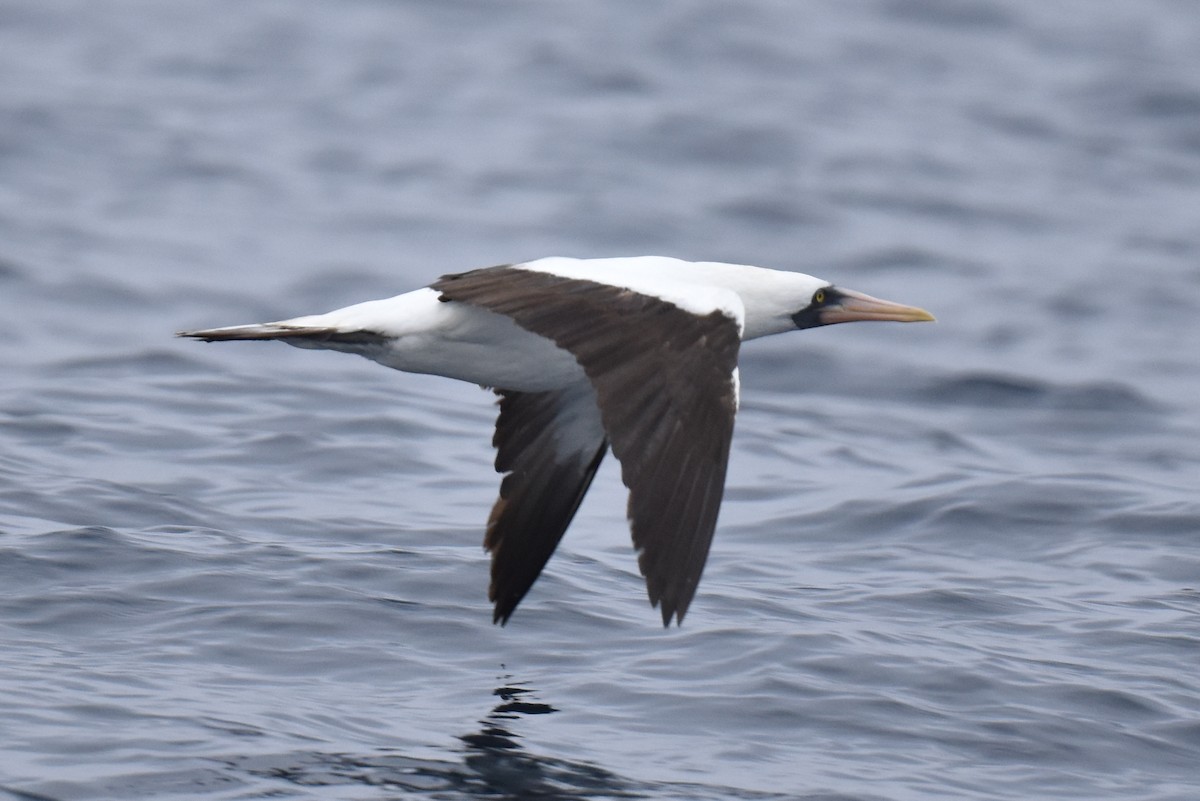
263, 331
297, 333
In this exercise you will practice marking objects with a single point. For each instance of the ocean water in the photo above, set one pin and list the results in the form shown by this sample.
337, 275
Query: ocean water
955, 561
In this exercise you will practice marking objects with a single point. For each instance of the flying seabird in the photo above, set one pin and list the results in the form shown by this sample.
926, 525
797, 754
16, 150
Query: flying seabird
637, 354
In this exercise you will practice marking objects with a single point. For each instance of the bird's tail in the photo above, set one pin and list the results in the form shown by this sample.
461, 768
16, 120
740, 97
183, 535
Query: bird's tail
313, 336
256, 331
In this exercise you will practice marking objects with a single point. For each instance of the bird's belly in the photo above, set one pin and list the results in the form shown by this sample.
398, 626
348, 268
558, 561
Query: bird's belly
483, 348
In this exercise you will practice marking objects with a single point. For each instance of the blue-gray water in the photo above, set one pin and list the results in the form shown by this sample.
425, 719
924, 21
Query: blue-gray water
956, 561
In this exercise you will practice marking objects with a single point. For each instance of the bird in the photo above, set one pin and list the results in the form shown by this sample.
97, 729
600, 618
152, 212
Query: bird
634, 354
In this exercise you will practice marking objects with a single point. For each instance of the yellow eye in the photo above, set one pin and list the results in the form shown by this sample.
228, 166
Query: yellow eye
819, 297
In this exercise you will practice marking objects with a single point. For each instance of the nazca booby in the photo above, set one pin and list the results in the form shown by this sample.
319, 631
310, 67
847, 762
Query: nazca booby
637, 354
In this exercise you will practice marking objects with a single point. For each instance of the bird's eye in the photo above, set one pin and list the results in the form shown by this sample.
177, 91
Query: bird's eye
819, 296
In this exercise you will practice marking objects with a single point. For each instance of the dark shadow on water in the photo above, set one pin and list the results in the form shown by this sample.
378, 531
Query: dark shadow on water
494, 736
496, 756
495, 765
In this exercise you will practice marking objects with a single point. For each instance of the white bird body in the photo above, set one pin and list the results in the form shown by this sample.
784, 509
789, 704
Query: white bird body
634, 353
424, 335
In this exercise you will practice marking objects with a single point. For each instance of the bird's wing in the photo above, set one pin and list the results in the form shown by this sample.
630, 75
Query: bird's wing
666, 385
548, 445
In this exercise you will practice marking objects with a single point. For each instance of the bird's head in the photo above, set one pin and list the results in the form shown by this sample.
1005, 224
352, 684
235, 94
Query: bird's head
829, 304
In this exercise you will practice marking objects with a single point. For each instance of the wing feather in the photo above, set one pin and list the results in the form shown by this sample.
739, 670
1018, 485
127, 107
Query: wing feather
665, 384
549, 453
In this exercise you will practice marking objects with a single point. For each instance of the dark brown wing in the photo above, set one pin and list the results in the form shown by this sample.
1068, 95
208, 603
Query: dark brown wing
549, 445
665, 383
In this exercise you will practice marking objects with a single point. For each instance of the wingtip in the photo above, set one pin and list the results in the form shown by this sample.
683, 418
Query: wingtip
669, 611
501, 614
